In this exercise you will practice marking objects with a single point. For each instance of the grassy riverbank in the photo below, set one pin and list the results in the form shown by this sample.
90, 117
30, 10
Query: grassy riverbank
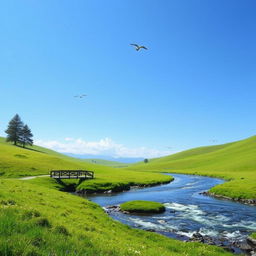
36, 220
253, 235
234, 162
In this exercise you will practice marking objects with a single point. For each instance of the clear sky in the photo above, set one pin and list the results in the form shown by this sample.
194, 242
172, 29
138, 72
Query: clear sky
195, 85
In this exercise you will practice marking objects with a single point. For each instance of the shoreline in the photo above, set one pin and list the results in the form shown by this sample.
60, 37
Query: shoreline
247, 246
251, 202
122, 188
126, 187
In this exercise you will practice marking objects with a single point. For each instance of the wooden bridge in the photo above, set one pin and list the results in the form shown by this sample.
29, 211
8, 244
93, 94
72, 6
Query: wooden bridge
71, 174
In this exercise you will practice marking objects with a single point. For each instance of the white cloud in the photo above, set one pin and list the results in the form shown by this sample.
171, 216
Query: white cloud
105, 147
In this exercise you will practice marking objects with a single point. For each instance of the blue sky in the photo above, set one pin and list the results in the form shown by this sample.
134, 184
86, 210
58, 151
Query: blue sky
195, 84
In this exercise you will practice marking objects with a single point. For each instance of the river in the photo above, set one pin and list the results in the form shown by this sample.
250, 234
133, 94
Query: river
187, 211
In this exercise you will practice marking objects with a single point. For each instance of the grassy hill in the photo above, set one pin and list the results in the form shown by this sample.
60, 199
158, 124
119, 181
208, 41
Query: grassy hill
37, 219
234, 161
18, 162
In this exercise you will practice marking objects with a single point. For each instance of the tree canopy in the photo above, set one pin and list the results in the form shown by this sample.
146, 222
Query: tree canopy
14, 129
26, 136
18, 133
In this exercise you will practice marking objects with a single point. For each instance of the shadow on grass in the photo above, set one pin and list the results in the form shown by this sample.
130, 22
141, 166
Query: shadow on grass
32, 149
67, 187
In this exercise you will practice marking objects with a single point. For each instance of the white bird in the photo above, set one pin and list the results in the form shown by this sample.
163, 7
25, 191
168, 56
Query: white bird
138, 47
80, 96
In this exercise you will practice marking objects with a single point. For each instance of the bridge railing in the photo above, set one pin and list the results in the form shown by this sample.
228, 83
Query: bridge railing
71, 174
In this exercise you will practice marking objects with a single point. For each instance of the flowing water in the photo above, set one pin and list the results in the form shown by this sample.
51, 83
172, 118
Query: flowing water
187, 211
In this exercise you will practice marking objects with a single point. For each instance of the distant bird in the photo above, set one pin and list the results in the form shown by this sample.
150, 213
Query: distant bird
80, 96
214, 140
138, 47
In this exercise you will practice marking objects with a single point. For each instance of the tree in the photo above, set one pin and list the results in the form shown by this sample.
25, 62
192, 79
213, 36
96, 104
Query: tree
26, 136
14, 129
145, 160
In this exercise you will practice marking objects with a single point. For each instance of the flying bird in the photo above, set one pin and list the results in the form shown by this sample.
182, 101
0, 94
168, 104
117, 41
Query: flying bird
138, 47
80, 96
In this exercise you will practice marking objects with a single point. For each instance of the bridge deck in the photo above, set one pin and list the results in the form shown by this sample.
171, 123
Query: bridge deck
71, 174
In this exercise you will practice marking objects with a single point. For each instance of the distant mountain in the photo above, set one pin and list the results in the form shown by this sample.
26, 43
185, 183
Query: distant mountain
126, 160
106, 162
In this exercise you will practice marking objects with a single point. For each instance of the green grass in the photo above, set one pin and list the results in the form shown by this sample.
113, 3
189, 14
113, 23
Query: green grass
120, 180
235, 162
253, 235
38, 220
19, 162
105, 182
140, 206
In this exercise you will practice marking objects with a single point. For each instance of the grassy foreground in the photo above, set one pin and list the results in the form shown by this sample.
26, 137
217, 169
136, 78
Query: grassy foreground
35, 220
140, 206
235, 162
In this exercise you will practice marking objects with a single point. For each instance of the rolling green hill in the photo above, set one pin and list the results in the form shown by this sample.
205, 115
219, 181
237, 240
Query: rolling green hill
234, 161
38, 220
18, 162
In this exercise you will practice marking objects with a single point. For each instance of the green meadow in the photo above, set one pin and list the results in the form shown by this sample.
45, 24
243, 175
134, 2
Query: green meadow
235, 162
18, 162
36, 218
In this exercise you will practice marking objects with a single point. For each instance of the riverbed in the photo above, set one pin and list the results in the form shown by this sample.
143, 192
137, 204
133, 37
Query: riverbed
188, 212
